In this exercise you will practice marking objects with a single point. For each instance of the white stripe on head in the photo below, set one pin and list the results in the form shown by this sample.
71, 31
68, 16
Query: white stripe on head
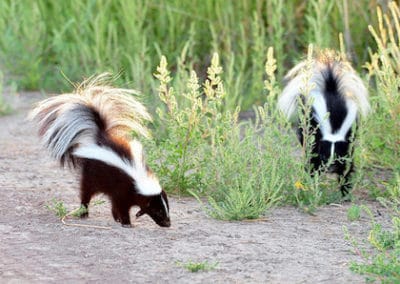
165, 206
332, 150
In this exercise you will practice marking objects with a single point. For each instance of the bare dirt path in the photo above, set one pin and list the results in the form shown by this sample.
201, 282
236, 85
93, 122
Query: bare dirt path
288, 247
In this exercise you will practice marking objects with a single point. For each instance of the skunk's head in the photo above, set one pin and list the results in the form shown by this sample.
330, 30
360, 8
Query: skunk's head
333, 154
155, 202
157, 208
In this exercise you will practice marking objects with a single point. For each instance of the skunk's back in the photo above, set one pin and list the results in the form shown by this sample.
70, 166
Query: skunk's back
328, 75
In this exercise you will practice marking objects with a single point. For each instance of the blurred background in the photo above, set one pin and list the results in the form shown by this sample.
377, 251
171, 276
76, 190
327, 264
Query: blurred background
44, 41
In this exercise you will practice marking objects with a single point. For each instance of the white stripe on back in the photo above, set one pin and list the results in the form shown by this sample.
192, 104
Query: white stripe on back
146, 185
322, 117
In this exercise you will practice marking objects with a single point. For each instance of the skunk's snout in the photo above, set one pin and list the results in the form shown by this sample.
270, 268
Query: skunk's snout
165, 223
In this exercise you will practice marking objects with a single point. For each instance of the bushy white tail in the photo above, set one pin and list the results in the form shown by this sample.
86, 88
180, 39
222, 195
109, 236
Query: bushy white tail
69, 121
307, 77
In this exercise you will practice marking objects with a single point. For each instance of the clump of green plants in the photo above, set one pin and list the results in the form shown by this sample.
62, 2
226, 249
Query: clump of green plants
198, 266
189, 122
245, 176
381, 260
205, 150
58, 207
307, 193
354, 213
248, 169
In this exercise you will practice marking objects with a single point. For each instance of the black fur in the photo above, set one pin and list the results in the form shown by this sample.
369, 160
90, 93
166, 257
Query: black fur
342, 164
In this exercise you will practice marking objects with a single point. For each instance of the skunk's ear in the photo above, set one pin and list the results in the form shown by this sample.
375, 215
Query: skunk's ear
140, 213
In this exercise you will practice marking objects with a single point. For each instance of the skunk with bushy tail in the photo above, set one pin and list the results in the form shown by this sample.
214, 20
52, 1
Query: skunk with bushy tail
90, 130
337, 97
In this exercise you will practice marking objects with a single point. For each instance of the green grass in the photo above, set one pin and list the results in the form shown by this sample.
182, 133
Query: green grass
198, 266
380, 253
80, 38
60, 210
354, 213
58, 207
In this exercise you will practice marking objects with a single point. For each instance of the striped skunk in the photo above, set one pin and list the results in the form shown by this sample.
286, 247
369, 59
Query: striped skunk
336, 96
88, 130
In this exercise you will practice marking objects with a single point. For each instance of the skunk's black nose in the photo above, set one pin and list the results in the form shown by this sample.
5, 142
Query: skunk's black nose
166, 223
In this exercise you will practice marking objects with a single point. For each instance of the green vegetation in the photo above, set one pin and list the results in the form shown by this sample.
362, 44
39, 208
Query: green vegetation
381, 256
82, 210
58, 207
204, 151
41, 38
354, 213
4, 107
225, 57
384, 68
381, 260
198, 266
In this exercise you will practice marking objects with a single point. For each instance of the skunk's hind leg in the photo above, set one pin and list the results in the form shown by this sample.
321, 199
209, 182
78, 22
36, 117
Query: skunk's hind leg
86, 196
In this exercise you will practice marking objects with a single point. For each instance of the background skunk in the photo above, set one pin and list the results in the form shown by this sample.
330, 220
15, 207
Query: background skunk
336, 95
89, 130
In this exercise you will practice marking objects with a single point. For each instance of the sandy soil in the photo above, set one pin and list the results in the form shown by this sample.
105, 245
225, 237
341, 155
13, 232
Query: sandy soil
288, 247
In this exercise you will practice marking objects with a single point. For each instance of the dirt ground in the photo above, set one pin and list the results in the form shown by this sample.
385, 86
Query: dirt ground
288, 247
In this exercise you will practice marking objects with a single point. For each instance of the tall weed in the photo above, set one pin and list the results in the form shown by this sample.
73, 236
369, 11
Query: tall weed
205, 150
383, 138
189, 127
